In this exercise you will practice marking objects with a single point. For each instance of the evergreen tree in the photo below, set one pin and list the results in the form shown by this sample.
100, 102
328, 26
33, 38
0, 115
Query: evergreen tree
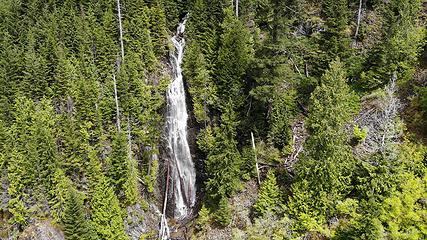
106, 214
76, 225
203, 31
324, 173
43, 139
201, 87
223, 213
224, 160
269, 198
62, 185
158, 27
33, 158
118, 171
332, 103
399, 48
234, 57
335, 41
19, 168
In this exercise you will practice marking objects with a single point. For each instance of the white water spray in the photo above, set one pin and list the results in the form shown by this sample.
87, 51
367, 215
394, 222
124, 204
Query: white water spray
182, 171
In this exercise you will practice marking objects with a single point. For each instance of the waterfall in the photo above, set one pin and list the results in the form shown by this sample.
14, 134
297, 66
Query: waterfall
182, 171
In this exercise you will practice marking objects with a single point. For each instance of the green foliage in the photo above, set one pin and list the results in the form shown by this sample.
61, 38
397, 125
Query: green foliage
223, 163
234, 56
332, 103
201, 86
62, 158
203, 221
360, 134
402, 215
158, 28
150, 178
76, 225
389, 205
203, 31
32, 156
62, 186
397, 53
282, 116
269, 199
131, 185
324, 173
335, 41
106, 214
119, 170
422, 102
223, 213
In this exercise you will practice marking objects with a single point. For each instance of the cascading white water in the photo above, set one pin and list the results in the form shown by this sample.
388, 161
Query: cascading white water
182, 171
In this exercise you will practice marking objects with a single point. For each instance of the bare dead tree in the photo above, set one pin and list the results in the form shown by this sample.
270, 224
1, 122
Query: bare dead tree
118, 63
256, 160
237, 8
306, 70
117, 103
122, 49
381, 120
164, 228
359, 16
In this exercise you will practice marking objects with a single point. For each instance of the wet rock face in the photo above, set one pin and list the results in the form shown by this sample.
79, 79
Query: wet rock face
42, 230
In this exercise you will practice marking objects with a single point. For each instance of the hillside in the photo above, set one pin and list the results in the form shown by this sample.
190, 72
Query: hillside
213, 119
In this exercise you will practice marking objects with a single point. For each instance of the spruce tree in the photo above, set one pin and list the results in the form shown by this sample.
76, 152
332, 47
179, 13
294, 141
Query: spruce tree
106, 214
224, 161
324, 172
398, 50
223, 213
118, 171
269, 198
158, 27
19, 168
234, 56
201, 87
76, 225
335, 41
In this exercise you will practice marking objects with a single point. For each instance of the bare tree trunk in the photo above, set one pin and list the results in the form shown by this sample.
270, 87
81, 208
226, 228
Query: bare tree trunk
122, 49
237, 8
306, 70
256, 160
296, 67
117, 102
359, 16
164, 229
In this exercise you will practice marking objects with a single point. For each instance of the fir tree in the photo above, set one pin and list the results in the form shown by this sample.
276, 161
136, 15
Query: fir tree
224, 160
223, 213
269, 198
118, 171
398, 51
325, 171
106, 214
76, 225
158, 27
335, 41
201, 87
234, 57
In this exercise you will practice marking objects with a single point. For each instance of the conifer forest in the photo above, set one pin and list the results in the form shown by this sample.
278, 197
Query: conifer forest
213, 119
